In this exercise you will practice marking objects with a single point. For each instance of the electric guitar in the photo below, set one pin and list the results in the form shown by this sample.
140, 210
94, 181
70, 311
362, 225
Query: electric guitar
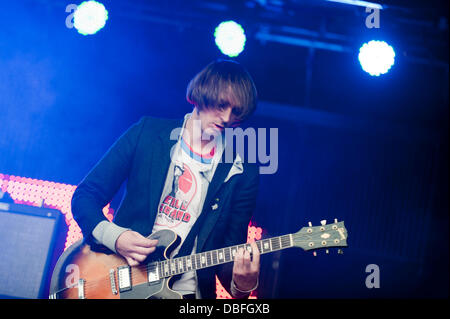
82, 273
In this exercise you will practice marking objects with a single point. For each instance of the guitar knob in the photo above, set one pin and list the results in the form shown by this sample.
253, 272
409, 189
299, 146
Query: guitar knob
323, 222
309, 224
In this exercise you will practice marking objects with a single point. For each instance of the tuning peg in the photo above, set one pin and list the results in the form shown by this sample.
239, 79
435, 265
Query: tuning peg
309, 224
327, 251
315, 253
323, 222
340, 252
335, 220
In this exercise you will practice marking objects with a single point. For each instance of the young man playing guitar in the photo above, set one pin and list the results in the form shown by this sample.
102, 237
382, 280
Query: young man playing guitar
178, 179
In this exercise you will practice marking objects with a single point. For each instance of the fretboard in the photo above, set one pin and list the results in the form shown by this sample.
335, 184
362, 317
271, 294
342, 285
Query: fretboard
180, 265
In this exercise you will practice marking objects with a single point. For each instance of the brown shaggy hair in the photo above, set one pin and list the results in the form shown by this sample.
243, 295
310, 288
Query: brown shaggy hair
221, 84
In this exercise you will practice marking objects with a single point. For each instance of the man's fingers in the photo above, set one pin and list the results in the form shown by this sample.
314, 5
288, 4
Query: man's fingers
255, 254
239, 258
142, 241
131, 261
138, 257
143, 250
246, 262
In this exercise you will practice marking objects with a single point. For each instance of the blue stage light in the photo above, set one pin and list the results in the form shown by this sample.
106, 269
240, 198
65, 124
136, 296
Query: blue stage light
90, 17
230, 38
376, 57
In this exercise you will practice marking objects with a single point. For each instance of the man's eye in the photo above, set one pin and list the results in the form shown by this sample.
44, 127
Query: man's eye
236, 111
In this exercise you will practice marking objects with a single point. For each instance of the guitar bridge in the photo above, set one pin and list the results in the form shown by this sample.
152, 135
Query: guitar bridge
113, 282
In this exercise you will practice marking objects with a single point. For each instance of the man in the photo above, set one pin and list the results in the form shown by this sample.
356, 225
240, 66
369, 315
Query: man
178, 179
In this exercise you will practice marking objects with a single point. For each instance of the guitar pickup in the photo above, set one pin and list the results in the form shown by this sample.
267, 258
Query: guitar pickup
124, 278
153, 273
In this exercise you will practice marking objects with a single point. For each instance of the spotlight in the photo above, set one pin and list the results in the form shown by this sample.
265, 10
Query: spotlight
230, 38
376, 57
90, 17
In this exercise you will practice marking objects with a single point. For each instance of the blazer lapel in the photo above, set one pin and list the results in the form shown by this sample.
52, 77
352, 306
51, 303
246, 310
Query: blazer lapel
211, 218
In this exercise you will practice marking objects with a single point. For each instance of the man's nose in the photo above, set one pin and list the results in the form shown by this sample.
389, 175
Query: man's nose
226, 116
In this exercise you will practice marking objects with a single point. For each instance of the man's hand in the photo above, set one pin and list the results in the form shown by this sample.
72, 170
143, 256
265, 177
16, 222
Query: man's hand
246, 269
134, 247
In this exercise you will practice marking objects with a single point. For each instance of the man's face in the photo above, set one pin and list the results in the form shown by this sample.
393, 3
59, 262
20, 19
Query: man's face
214, 121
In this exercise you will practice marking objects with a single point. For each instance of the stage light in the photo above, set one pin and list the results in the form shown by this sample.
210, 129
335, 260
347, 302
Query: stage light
90, 17
230, 38
376, 57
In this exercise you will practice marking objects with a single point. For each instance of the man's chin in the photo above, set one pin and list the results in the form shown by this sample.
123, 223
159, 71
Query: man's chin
210, 132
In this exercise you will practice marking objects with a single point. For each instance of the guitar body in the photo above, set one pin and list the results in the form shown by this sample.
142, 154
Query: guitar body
84, 273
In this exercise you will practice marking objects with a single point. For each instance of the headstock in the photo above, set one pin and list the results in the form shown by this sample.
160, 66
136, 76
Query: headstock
324, 236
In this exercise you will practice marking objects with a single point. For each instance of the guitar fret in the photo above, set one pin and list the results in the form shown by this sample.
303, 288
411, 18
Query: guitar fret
203, 259
172, 267
166, 268
180, 266
214, 257
285, 241
208, 258
197, 261
259, 245
194, 265
275, 243
266, 246
188, 263
227, 254
220, 255
233, 252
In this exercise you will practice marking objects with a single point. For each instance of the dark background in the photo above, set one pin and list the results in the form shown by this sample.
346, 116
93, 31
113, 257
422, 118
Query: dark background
371, 151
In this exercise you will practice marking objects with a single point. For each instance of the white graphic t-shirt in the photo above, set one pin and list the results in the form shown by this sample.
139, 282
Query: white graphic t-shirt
182, 200
181, 203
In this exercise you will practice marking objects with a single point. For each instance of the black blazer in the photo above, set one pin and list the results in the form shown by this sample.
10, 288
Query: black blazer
142, 157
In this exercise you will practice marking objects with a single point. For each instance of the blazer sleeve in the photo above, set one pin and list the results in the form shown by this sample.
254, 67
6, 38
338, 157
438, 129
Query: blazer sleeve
243, 205
100, 185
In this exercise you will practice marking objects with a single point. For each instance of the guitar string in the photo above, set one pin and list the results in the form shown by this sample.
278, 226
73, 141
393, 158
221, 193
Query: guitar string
144, 267
199, 256
183, 268
284, 240
107, 279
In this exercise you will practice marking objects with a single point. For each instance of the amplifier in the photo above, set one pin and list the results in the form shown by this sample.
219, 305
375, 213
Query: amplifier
28, 249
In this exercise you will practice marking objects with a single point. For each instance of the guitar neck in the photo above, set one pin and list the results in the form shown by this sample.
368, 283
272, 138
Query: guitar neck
180, 265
